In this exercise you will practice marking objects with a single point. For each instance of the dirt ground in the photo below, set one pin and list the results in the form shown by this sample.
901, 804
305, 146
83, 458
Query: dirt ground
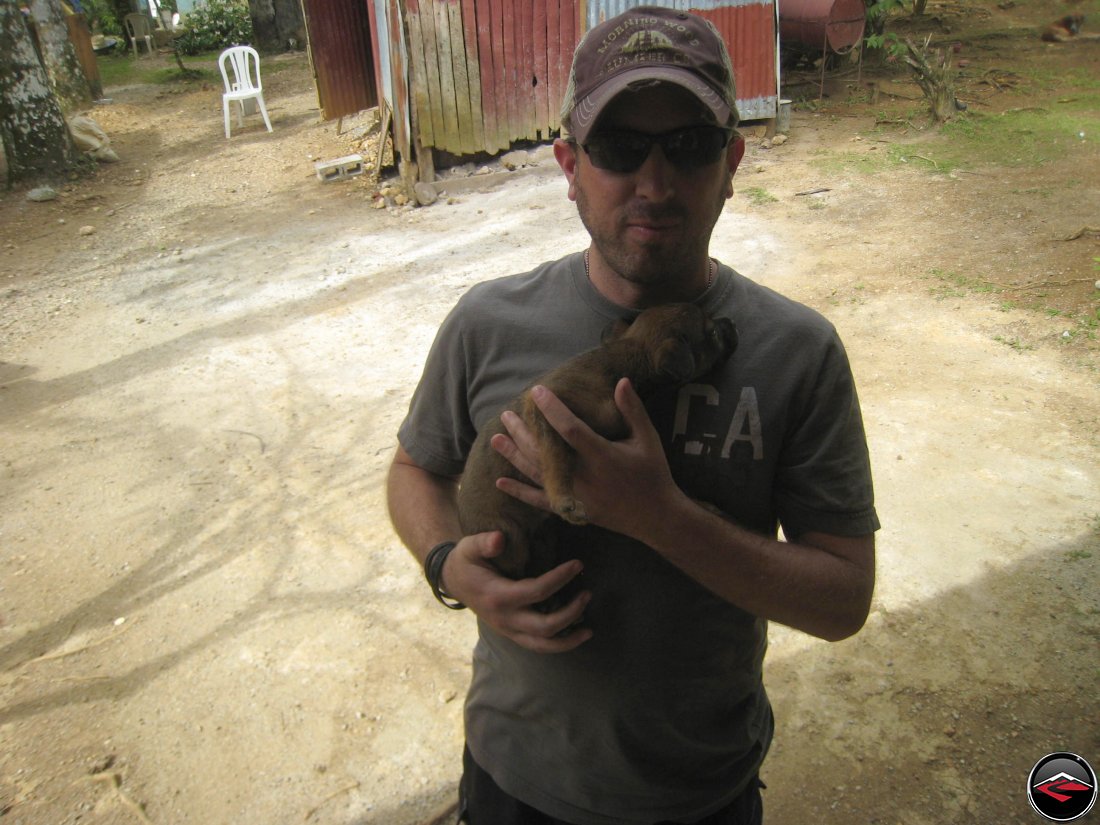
205, 353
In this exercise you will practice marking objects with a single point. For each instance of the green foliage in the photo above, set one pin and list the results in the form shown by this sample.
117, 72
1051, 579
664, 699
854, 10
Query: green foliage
877, 13
216, 24
101, 17
889, 42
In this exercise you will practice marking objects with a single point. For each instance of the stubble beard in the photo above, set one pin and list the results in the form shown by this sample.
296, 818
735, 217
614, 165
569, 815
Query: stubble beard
647, 265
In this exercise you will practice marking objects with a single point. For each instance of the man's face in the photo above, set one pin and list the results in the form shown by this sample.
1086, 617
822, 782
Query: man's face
651, 226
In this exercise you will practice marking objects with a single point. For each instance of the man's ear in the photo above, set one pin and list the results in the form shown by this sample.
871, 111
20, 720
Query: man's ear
733, 158
738, 153
565, 154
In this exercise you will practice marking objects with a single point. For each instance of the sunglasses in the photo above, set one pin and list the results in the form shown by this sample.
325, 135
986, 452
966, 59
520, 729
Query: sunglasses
686, 149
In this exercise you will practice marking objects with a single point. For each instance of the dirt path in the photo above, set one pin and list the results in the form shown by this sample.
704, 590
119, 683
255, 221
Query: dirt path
206, 618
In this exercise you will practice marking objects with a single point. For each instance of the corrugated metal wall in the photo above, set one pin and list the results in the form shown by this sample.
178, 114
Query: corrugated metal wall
749, 29
486, 73
391, 69
340, 50
471, 76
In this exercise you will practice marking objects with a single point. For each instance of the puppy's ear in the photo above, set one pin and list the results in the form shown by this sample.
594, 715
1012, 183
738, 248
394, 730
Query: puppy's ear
614, 330
675, 360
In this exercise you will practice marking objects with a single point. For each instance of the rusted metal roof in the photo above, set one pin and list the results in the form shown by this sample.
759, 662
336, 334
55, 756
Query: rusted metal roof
749, 29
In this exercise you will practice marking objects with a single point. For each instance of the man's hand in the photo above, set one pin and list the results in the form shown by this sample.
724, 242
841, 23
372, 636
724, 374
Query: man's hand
621, 483
508, 606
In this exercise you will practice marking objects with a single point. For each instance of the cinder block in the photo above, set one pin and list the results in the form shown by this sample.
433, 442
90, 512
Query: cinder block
339, 169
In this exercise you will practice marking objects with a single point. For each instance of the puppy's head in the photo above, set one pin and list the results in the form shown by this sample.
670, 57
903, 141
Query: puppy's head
682, 341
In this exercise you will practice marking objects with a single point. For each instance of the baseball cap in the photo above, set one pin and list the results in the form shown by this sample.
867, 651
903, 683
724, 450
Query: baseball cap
645, 45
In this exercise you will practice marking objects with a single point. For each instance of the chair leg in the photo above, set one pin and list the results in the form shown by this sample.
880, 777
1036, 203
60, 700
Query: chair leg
263, 111
225, 110
240, 113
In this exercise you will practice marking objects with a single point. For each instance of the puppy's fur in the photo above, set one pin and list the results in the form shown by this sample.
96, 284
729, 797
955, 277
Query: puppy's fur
665, 346
1063, 29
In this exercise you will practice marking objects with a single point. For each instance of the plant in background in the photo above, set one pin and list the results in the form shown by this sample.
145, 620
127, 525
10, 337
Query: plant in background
935, 73
889, 42
214, 25
878, 11
102, 18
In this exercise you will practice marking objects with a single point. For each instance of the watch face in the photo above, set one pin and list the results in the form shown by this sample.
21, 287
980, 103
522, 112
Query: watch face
1062, 787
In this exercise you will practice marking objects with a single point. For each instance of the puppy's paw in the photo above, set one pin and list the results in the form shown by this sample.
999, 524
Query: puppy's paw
571, 510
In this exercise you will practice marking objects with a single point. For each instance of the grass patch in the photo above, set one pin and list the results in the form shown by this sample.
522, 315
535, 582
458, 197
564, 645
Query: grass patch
956, 285
1066, 123
866, 163
1037, 191
758, 196
1013, 343
1024, 137
127, 70
924, 158
892, 156
1077, 78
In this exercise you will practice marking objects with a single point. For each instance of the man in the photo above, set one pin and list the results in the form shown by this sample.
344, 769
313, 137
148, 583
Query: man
641, 700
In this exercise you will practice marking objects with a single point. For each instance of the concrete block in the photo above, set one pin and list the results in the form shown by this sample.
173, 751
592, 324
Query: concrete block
339, 169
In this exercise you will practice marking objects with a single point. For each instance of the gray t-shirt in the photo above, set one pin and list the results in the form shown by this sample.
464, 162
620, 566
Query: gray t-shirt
662, 715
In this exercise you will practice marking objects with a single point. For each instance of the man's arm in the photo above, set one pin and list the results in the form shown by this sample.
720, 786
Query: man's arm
424, 513
820, 583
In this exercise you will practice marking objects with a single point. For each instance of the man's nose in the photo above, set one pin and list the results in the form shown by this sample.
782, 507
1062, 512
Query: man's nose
655, 179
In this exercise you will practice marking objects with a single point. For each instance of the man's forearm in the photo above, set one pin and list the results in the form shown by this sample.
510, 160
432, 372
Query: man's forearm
821, 585
421, 505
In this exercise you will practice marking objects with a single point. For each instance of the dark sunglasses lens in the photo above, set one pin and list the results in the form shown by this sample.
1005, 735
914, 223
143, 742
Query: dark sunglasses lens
618, 151
693, 148
624, 152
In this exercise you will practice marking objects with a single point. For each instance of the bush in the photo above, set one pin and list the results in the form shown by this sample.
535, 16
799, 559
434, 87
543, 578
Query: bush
102, 17
214, 25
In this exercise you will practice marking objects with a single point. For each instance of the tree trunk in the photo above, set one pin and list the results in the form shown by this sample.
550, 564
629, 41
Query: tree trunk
275, 23
935, 74
66, 75
36, 139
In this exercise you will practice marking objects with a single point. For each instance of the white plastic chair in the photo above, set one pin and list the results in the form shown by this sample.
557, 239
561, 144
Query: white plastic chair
243, 59
140, 27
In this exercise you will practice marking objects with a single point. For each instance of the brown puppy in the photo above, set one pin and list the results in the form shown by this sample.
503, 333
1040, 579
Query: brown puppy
665, 346
1063, 29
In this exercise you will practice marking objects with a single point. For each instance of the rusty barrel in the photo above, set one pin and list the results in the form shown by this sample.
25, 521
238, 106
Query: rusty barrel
815, 25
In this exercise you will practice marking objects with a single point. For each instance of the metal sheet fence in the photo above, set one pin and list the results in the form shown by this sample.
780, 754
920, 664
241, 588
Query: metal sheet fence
340, 48
483, 74
486, 73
